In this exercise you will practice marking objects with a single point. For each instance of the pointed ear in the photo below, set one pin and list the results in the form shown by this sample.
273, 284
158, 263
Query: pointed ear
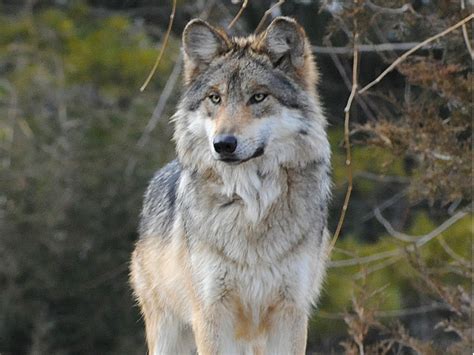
284, 39
201, 44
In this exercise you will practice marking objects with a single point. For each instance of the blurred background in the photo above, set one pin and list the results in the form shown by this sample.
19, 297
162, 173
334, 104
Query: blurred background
79, 142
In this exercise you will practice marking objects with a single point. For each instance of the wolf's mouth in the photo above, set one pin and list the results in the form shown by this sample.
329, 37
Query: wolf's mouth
231, 159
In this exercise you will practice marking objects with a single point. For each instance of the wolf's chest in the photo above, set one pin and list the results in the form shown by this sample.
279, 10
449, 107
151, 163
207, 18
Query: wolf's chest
238, 240
256, 220
253, 287
253, 265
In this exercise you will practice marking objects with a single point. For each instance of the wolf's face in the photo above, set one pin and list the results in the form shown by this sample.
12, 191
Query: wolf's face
247, 97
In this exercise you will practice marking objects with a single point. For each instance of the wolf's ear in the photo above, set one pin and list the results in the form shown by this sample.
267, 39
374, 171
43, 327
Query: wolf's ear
201, 44
284, 39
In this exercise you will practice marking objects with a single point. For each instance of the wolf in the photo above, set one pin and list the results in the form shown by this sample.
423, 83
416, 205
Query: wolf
233, 238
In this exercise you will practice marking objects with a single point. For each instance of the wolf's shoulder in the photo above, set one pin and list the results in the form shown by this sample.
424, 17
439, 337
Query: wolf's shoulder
164, 178
160, 200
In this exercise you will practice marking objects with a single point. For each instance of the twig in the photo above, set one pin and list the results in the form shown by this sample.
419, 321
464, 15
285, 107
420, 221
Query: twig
9, 127
100, 280
454, 205
452, 253
364, 259
340, 67
442, 227
420, 241
387, 10
369, 270
381, 47
397, 235
382, 178
465, 34
163, 47
382, 39
157, 114
348, 144
395, 313
411, 311
241, 10
266, 14
160, 106
414, 49
385, 204
350, 253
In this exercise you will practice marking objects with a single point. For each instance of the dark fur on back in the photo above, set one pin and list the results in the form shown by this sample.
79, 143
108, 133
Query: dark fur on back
160, 200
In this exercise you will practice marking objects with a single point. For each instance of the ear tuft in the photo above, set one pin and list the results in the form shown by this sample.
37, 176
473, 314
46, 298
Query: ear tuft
284, 37
202, 42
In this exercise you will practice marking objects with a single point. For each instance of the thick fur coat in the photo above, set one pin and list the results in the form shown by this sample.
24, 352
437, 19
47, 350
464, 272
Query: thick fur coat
233, 239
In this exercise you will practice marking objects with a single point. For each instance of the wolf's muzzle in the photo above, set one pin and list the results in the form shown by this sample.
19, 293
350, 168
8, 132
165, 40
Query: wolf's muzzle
232, 159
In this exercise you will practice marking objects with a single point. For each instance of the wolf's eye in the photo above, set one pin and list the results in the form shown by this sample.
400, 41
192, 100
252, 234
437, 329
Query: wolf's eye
259, 97
215, 99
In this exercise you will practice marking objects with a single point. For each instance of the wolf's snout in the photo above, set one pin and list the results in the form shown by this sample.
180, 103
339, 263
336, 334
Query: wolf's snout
225, 144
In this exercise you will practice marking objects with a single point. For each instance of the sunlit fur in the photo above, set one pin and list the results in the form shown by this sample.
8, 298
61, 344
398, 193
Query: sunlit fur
231, 256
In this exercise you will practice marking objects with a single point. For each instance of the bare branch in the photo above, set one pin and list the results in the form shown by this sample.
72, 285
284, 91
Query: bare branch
420, 241
385, 204
163, 47
452, 253
9, 128
387, 10
395, 313
266, 14
442, 227
382, 178
465, 34
382, 47
383, 264
414, 49
400, 236
365, 259
160, 106
411, 311
348, 143
241, 10
157, 113
339, 66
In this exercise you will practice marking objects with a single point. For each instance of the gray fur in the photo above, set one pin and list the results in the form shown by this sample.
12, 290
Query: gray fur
254, 71
160, 201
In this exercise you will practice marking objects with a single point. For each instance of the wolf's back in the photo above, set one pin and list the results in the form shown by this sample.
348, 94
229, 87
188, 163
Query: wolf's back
160, 201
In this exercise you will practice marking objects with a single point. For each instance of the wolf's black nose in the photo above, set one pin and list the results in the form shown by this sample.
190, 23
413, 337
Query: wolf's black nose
225, 144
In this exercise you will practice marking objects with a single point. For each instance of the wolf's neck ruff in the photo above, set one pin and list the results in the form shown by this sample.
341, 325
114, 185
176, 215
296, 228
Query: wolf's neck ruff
257, 190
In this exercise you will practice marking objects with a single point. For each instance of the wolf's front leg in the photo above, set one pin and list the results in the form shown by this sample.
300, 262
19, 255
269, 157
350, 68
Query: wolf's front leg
205, 332
288, 333
167, 335
212, 327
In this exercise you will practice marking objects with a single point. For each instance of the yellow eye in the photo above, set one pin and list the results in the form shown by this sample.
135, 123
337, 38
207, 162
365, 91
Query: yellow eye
259, 97
215, 99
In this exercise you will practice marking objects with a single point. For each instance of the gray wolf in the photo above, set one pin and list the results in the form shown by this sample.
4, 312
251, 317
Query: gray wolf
233, 238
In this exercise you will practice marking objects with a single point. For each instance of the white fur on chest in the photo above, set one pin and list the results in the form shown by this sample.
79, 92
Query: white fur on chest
257, 190
259, 285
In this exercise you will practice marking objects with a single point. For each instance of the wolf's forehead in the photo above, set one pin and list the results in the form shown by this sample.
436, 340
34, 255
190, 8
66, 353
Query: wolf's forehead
241, 73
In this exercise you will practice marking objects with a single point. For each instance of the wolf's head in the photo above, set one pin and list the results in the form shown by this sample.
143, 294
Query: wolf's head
249, 100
